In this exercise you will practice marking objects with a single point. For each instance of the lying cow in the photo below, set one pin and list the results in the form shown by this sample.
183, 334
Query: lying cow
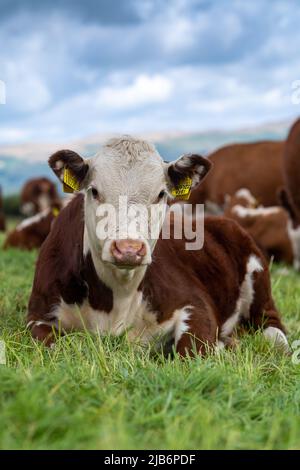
269, 226
32, 232
290, 195
154, 289
2, 217
255, 166
37, 195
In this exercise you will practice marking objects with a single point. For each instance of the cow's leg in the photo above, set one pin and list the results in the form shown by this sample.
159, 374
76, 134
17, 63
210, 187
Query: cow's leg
264, 314
196, 332
43, 331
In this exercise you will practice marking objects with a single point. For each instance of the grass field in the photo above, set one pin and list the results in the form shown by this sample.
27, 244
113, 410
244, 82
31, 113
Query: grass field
105, 394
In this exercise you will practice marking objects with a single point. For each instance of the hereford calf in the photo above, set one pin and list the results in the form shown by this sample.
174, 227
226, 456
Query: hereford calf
256, 166
268, 226
33, 231
155, 289
290, 196
37, 195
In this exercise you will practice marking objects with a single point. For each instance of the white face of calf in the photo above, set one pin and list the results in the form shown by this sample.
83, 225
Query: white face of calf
126, 187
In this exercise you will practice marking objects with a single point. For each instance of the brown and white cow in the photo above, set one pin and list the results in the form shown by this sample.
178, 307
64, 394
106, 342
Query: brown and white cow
268, 226
37, 195
2, 217
256, 166
290, 195
153, 289
32, 231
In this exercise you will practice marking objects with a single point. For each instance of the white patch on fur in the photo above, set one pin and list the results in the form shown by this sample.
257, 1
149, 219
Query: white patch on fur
245, 299
184, 162
39, 323
212, 208
27, 208
277, 337
229, 325
32, 220
59, 164
294, 236
44, 202
146, 328
220, 345
181, 318
246, 194
243, 212
129, 313
118, 320
254, 265
86, 245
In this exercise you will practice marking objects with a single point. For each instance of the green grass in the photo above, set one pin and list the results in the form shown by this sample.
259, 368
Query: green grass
103, 393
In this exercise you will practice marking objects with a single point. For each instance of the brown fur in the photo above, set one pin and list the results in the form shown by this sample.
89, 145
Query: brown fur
2, 217
269, 230
291, 168
33, 235
255, 166
209, 280
2, 222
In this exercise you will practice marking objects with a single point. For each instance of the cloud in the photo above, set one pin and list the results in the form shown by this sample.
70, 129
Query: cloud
104, 11
27, 94
144, 90
2, 92
11, 135
75, 68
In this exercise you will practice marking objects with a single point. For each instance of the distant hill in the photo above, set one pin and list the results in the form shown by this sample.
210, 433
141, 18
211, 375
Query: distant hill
21, 162
15, 171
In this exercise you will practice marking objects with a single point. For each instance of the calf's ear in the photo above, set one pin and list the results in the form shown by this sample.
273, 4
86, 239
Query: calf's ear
191, 166
69, 167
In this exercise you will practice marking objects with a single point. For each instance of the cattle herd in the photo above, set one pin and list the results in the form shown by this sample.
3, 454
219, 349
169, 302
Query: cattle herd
154, 289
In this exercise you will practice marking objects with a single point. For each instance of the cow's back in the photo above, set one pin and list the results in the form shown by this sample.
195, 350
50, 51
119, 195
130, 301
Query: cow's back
269, 228
291, 164
255, 166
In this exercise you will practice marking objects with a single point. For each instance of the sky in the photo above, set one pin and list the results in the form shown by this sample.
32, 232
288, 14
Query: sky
73, 68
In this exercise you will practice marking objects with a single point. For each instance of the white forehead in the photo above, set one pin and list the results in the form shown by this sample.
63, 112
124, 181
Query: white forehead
128, 166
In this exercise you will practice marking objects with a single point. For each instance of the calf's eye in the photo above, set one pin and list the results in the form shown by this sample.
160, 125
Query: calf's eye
95, 193
161, 194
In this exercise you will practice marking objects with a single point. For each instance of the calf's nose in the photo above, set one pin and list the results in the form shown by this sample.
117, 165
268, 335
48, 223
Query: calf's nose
128, 252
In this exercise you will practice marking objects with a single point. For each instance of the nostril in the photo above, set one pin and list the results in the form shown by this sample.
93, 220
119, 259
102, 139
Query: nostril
142, 250
127, 248
115, 247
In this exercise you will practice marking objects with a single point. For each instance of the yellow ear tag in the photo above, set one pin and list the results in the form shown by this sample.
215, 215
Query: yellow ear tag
55, 211
70, 182
183, 190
